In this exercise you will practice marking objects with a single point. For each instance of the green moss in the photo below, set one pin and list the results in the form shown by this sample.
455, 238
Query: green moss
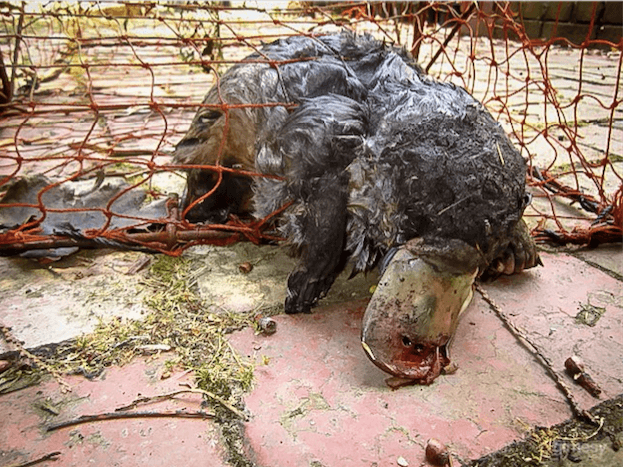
179, 318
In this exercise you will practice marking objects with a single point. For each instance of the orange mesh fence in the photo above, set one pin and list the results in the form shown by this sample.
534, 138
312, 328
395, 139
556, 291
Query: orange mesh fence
94, 98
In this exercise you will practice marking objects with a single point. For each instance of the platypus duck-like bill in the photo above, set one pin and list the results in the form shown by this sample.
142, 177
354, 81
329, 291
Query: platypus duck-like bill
413, 314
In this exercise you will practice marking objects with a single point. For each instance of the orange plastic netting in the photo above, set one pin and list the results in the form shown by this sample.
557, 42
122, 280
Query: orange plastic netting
94, 98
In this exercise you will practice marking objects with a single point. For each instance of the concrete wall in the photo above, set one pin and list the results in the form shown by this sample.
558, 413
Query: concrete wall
572, 20
547, 20
540, 20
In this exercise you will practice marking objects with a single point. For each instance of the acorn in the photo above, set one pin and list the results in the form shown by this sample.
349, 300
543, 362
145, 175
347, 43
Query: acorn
245, 267
266, 325
437, 453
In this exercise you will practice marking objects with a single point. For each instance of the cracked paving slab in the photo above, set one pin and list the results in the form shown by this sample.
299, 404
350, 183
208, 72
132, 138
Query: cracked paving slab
317, 399
129, 442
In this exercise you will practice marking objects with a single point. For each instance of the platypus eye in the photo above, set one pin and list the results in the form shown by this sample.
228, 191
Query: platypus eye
209, 117
406, 341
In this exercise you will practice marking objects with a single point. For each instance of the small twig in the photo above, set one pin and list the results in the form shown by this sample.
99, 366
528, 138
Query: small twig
455, 29
575, 369
160, 397
453, 205
18, 39
500, 154
47, 457
120, 415
545, 362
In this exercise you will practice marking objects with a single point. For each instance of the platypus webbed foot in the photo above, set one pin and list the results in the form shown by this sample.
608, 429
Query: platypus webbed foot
305, 289
323, 221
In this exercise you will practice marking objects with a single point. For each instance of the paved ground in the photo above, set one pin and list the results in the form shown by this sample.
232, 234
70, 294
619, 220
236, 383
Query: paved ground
316, 399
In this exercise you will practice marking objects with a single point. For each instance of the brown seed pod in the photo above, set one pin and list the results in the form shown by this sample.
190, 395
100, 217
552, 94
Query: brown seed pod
245, 267
437, 453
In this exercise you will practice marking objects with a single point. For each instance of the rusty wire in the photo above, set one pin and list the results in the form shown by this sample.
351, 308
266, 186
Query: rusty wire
107, 90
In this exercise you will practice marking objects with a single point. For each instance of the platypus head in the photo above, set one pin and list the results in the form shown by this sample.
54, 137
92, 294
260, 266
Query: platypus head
415, 309
224, 138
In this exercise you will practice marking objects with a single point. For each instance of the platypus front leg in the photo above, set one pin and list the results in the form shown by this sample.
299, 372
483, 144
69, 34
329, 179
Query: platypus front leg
322, 223
520, 254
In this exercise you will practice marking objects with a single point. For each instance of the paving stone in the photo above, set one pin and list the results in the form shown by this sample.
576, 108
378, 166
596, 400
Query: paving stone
573, 32
584, 11
608, 257
223, 285
46, 304
126, 442
609, 32
532, 10
559, 11
318, 399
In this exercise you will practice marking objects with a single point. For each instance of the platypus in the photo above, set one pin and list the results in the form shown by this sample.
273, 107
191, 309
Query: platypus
379, 166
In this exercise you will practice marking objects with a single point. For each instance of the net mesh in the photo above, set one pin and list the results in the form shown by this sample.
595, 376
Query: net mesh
94, 98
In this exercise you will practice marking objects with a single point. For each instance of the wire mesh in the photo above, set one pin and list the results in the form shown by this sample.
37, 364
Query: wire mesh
95, 96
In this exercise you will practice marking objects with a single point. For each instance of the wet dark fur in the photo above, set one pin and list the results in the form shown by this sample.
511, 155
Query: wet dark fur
375, 154
330, 64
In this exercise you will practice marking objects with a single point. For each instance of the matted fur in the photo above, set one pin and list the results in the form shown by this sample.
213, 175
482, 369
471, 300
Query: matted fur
375, 154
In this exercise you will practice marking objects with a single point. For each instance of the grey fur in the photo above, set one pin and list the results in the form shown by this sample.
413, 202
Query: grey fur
376, 153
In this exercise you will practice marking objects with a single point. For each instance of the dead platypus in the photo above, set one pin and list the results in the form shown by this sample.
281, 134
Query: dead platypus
381, 166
